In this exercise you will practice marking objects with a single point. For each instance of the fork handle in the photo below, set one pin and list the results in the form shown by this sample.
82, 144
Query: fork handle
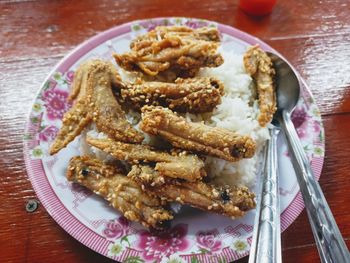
266, 246
329, 241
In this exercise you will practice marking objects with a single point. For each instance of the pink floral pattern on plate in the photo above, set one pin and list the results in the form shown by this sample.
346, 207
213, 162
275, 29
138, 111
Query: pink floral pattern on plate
48, 134
117, 228
299, 119
55, 103
158, 246
69, 76
208, 241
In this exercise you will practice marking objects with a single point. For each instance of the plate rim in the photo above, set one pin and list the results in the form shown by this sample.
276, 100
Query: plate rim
288, 215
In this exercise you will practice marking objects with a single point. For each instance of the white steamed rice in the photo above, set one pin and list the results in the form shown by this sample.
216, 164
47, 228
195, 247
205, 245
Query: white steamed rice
238, 112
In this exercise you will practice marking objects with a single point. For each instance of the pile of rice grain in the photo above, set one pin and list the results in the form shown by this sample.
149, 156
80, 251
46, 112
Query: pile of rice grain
237, 112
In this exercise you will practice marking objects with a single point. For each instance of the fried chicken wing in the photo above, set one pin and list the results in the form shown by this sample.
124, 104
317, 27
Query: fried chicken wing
79, 85
177, 49
185, 95
197, 137
79, 115
233, 202
259, 65
92, 89
107, 113
73, 122
185, 166
183, 32
120, 191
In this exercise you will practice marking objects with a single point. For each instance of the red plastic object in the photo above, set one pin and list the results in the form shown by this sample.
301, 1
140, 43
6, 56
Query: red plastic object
257, 7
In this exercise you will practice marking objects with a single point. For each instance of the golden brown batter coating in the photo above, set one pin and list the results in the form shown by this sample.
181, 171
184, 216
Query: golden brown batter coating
120, 191
176, 49
107, 113
259, 65
92, 89
161, 32
79, 116
73, 122
197, 137
79, 85
185, 166
233, 202
185, 95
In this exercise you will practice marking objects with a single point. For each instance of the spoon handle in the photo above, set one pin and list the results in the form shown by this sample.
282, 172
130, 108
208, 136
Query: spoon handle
266, 246
329, 241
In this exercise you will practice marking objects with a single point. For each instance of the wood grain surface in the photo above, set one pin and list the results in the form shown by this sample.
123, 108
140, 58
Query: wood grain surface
36, 34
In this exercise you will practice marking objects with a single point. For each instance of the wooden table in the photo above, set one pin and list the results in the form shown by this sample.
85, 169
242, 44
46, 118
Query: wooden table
35, 35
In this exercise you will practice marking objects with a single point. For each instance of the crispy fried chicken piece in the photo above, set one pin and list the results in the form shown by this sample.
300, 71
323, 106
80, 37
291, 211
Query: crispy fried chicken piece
233, 202
259, 65
174, 49
79, 85
92, 89
122, 192
185, 166
79, 115
185, 95
107, 113
196, 137
73, 122
183, 32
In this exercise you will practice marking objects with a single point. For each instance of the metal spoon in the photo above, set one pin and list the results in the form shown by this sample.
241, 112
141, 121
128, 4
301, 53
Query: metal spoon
330, 243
